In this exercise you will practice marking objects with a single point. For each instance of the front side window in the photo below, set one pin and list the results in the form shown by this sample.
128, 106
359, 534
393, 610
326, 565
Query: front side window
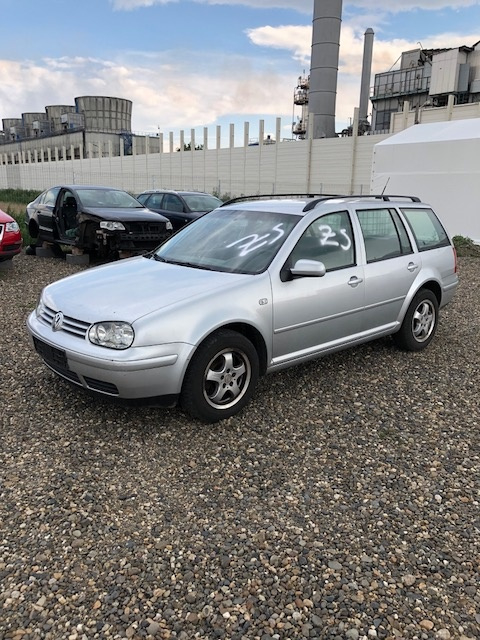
328, 239
384, 234
426, 228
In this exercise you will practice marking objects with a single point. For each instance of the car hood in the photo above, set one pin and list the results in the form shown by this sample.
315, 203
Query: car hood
4, 217
133, 288
124, 214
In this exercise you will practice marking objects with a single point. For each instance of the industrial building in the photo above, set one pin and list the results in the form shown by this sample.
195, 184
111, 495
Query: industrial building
425, 79
95, 126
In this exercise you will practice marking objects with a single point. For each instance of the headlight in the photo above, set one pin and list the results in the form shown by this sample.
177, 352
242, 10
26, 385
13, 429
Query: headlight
169, 226
114, 335
39, 311
12, 226
111, 225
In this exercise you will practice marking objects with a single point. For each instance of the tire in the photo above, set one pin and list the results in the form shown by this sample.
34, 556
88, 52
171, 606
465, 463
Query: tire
58, 251
420, 322
221, 377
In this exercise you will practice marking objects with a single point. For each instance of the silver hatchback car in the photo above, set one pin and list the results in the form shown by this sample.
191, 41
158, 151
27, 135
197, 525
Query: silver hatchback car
252, 287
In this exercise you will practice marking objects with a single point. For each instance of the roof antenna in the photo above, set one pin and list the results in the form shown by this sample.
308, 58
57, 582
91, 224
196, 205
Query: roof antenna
385, 186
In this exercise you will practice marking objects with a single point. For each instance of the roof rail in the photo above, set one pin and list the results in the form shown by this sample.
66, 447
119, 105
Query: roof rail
386, 198
318, 198
272, 196
390, 196
311, 205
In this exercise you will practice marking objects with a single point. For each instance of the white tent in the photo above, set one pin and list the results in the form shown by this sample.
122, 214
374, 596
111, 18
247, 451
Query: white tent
440, 163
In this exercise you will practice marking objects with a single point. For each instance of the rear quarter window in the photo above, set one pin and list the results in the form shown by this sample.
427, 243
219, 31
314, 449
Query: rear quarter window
426, 228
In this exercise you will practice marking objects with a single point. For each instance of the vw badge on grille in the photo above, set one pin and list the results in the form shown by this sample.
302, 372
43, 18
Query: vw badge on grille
57, 321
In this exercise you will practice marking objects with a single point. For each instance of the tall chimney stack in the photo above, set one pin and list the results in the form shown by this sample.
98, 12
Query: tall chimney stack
327, 19
366, 73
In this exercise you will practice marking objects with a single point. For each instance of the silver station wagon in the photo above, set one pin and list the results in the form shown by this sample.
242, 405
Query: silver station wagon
252, 287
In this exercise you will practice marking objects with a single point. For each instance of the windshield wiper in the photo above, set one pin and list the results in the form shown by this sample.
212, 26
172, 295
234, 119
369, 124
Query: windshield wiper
183, 263
192, 265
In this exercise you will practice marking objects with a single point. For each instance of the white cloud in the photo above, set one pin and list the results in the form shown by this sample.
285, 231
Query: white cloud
306, 6
159, 99
393, 6
297, 40
167, 92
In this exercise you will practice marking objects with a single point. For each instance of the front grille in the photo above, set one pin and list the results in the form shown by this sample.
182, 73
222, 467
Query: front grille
144, 231
69, 325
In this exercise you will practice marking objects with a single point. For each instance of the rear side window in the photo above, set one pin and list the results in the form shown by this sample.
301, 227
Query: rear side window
51, 196
384, 234
426, 228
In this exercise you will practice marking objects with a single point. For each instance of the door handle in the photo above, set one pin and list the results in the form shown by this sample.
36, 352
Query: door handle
354, 281
412, 266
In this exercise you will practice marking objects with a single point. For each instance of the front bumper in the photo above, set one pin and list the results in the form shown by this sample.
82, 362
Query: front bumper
10, 249
135, 373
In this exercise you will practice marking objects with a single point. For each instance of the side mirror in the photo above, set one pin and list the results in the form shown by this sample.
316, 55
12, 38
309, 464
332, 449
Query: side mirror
309, 268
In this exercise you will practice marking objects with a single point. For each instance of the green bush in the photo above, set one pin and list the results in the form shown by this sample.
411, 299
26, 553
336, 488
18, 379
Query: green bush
20, 218
20, 196
466, 247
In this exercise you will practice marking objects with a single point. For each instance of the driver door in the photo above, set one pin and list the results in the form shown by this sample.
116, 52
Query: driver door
317, 314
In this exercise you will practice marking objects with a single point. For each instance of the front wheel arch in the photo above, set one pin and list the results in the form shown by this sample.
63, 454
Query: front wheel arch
221, 377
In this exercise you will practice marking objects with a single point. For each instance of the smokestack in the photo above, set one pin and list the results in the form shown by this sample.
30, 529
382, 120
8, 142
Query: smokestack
327, 19
366, 73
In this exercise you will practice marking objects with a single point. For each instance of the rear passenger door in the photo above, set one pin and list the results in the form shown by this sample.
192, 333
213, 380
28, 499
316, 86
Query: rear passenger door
391, 266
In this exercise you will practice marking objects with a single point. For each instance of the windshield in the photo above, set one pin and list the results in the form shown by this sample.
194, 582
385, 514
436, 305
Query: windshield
108, 198
229, 240
201, 202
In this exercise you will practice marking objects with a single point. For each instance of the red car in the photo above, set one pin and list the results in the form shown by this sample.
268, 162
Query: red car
10, 237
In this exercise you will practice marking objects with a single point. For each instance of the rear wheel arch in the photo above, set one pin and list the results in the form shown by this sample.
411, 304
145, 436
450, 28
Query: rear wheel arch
435, 288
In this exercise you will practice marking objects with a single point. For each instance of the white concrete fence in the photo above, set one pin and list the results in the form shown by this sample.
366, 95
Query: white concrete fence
338, 165
333, 165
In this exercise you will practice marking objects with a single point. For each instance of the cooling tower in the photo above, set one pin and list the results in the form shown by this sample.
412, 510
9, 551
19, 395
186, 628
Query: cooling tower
103, 113
327, 18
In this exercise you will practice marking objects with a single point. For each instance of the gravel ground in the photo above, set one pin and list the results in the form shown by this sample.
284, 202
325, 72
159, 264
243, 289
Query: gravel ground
343, 503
